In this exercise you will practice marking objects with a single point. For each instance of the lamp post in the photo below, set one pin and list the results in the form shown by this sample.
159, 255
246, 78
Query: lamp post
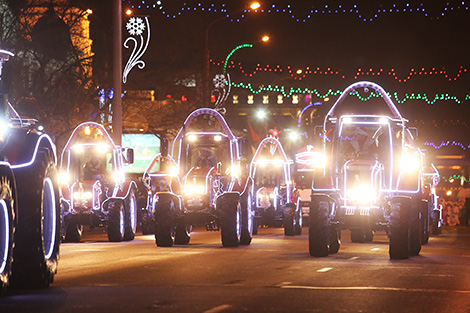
207, 79
117, 70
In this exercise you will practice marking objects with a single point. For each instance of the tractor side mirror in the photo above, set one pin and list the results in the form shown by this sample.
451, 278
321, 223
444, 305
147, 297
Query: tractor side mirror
129, 155
219, 168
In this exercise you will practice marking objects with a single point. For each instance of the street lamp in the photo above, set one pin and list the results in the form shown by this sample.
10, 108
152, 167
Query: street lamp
253, 6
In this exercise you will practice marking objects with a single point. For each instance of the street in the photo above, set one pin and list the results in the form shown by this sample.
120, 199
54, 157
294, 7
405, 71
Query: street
273, 274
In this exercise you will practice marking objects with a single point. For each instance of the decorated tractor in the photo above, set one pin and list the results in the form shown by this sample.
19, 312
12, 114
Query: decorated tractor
274, 199
369, 177
95, 191
29, 199
208, 158
160, 176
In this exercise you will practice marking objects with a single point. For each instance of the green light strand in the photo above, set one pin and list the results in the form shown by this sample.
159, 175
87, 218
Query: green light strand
291, 91
246, 45
455, 177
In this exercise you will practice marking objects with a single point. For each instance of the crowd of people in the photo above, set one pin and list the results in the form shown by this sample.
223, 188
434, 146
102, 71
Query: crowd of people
456, 213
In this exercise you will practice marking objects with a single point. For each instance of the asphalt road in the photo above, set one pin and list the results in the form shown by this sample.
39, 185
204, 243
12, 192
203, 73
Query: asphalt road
273, 274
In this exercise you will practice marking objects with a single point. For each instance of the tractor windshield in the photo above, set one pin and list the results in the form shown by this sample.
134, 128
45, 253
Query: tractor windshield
91, 162
207, 152
365, 141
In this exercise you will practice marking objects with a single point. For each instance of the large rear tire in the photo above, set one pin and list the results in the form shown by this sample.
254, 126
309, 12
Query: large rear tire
399, 229
335, 242
425, 222
415, 228
358, 235
165, 220
247, 217
130, 225
73, 233
37, 237
7, 229
319, 232
228, 205
182, 232
116, 220
298, 221
289, 219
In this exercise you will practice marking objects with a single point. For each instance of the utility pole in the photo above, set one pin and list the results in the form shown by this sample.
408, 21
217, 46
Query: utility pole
117, 72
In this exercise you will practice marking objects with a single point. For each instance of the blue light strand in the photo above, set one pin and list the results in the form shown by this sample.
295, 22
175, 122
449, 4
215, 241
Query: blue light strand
419, 8
447, 144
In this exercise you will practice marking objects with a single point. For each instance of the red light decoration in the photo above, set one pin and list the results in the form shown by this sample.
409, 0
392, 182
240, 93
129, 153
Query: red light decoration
275, 133
359, 73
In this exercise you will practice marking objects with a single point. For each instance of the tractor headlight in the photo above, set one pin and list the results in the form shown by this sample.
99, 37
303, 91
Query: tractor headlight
194, 189
409, 163
235, 171
63, 178
82, 195
361, 194
118, 177
277, 162
318, 159
173, 171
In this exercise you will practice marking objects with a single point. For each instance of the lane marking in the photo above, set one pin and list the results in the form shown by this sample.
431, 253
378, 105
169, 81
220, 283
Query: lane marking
354, 258
374, 249
324, 270
219, 308
372, 288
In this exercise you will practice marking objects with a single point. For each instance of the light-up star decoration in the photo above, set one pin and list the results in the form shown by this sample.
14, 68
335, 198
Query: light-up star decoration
139, 31
275, 133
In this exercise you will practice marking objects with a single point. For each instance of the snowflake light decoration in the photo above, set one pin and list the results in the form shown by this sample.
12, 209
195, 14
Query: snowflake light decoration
219, 81
135, 26
140, 42
222, 89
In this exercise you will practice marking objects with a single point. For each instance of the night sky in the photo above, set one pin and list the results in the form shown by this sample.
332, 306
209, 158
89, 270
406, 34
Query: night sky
343, 42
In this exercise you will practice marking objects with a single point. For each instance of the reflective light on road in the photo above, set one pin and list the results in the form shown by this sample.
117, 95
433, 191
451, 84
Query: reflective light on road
324, 270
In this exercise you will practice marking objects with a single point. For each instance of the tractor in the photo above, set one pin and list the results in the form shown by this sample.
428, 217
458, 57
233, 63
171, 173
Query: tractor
274, 198
214, 191
161, 175
95, 191
29, 198
368, 177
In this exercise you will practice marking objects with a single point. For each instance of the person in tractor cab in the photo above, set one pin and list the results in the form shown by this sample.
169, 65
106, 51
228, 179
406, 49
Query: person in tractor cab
363, 145
94, 169
206, 158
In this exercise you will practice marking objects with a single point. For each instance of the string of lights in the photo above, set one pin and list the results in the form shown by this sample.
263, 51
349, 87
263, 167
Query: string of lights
299, 74
448, 143
455, 177
290, 10
288, 92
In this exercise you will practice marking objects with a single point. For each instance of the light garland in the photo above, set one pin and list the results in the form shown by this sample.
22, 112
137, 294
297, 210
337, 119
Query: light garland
447, 144
360, 73
350, 9
455, 177
291, 91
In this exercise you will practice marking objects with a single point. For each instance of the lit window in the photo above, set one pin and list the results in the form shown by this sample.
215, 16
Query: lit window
235, 99
280, 99
250, 99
